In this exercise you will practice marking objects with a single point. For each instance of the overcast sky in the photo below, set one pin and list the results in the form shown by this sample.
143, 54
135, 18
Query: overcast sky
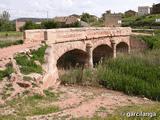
39, 8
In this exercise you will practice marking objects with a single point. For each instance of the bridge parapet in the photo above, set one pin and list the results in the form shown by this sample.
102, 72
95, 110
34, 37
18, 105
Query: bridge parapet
52, 36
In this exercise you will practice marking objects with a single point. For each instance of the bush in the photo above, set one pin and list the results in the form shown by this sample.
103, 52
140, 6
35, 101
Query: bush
6, 25
30, 25
50, 24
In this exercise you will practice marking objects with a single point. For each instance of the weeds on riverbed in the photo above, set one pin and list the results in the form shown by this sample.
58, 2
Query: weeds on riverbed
134, 75
6, 72
32, 105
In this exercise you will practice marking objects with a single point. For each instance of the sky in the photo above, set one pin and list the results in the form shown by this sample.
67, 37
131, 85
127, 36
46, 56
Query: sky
52, 8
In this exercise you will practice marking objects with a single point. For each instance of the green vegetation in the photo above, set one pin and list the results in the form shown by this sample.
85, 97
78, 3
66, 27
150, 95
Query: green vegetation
10, 34
80, 77
6, 73
86, 17
5, 24
134, 75
7, 91
31, 105
152, 41
28, 64
10, 43
141, 21
49, 24
38, 55
92, 20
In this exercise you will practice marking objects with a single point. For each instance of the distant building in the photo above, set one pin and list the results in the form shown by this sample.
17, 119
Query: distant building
112, 20
130, 13
20, 22
71, 20
144, 10
156, 9
67, 19
158, 20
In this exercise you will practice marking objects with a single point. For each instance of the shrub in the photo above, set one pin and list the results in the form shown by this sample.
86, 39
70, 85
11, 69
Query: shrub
30, 25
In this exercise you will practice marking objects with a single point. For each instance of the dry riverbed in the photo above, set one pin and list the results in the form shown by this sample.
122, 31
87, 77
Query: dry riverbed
74, 102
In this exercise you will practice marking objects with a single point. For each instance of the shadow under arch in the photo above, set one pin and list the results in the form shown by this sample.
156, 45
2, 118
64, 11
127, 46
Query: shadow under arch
101, 52
71, 59
122, 48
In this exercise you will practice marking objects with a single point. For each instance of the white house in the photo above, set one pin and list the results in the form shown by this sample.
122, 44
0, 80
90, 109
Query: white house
144, 10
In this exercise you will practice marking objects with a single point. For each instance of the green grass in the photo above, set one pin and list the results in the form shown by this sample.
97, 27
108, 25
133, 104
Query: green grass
10, 34
11, 117
28, 65
134, 75
152, 41
39, 54
32, 105
10, 43
7, 72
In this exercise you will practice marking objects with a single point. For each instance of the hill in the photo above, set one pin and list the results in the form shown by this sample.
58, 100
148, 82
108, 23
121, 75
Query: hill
148, 21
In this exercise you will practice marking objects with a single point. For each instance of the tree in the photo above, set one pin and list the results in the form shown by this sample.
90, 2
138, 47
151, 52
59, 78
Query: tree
49, 24
86, 17
5, 24
5, 16
30, 25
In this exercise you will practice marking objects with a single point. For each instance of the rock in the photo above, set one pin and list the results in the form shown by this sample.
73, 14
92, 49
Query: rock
24, 84
37, 63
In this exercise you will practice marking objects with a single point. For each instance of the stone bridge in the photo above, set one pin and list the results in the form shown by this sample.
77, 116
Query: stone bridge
78, 46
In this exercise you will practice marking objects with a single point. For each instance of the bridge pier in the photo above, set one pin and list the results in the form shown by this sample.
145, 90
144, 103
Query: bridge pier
90, 55
113, 42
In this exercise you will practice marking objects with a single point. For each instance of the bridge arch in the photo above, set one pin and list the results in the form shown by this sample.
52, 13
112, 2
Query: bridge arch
101, 52
122, 47
62, 48
73, 58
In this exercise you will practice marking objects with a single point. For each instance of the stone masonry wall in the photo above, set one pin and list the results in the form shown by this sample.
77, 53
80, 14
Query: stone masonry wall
74, 34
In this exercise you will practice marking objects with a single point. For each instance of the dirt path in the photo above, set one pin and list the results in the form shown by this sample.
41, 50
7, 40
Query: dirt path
144, 34
76, 102
6, 53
